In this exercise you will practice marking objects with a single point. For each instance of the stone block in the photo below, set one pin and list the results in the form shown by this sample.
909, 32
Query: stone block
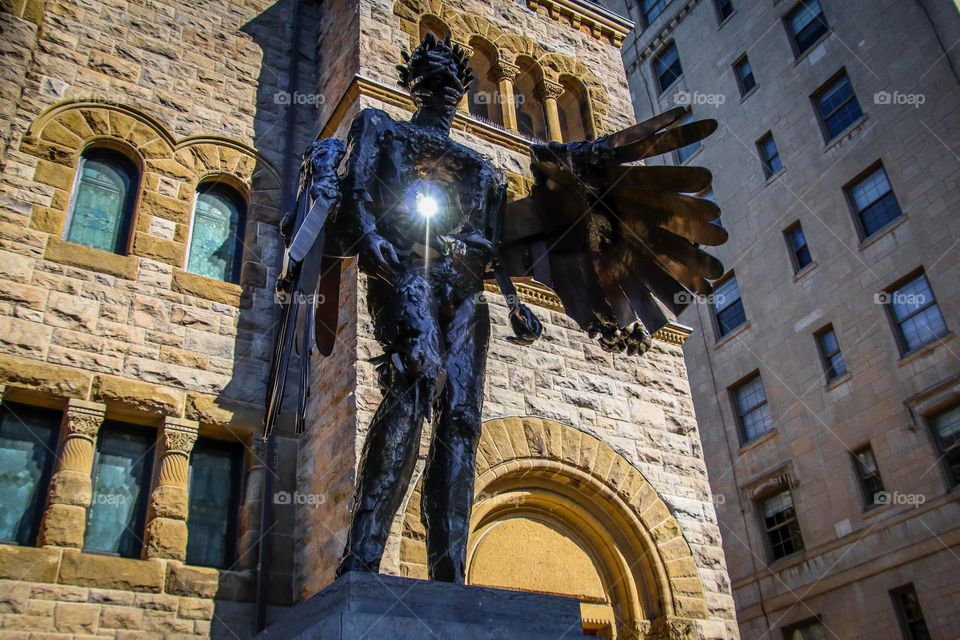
106, 572
63, 525
206, 288
77, 255
166, 538
115, 617
28, 564
74, 617
183, 580
140, 396
167, 251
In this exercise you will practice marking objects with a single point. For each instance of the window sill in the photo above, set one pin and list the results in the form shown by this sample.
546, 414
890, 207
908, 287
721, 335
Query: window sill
773, 177
752, 91
927, 349
802, 273
836, 382
730, 336
854, 127
753, 444
874, 237
782, 563
800, 57
666, 90
726, 20
207, 288
84, 257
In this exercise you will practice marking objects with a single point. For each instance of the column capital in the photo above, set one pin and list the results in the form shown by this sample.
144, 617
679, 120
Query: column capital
552, 89
179, 435
466, 47
83, 418
504, 70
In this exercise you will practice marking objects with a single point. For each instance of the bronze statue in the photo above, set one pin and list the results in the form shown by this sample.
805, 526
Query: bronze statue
429, 221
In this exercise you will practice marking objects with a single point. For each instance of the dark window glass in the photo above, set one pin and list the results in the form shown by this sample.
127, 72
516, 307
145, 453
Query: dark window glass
103, 201
728, 307
744, 72
753, 412
28, 442
215, 477
871, 485
797, 244
916, 314
781, 525
216, 242
806, 630
909, 614
769, 155
667, 66
725, 9
806, 24
682, 154
837, 106
121, 484
651, 9
946, 434
830, 353
875, 203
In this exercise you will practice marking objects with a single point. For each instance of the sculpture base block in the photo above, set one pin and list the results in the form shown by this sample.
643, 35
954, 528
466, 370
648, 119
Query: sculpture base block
364, 605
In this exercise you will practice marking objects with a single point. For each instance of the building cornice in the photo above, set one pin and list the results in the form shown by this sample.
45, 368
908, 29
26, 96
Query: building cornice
602, 23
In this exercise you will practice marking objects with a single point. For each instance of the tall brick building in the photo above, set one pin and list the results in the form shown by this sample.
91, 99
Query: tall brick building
825, 369
147, 150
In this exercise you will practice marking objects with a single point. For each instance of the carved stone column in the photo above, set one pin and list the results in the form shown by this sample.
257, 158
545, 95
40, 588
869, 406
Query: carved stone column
506, 73
166, 531
71, 490
252, 506
551, 92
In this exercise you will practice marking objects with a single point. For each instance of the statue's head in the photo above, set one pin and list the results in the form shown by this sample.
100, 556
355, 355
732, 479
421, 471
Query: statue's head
436, 74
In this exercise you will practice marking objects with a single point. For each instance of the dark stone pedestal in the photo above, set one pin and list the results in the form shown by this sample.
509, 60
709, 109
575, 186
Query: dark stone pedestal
378, 607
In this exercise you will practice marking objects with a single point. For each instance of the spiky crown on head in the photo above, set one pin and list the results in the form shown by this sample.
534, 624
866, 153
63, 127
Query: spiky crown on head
418, 62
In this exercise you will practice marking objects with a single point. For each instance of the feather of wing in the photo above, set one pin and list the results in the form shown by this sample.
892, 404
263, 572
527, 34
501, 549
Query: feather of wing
646, 128
669, 140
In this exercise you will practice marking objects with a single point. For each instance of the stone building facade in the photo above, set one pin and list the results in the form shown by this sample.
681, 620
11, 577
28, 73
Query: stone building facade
825, 413
590, 478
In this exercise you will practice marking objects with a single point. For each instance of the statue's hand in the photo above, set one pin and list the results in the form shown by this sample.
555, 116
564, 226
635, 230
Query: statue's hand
526, 326
377, 256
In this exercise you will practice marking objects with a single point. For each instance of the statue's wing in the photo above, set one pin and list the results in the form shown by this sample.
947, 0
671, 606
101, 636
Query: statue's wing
309, 284
619, 243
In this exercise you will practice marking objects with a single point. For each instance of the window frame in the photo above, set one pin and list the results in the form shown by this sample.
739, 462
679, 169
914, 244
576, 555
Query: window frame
765, 161
132, 163
739, 413
896, 325
863, 477
898, 607
792, 37
645, 19
821, 118
759, 502
240, 199
720, 17
825, 357
714, 313
788, 630
737, 64
858, 213
237, 488
656, 74
938, 445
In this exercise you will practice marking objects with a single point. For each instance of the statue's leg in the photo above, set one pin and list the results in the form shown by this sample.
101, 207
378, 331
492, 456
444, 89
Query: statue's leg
448, 479
405, 321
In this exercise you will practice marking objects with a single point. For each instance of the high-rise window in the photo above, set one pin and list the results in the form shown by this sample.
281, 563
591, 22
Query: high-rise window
651, 9
215, 478
744, 72
946, 434
216, 242
724, 9
781, 525
811, 629
797, 245
830, 354
769, 156
682, 154
666, 64
121, 485
103, 200
874, 202
806, 24
28, 440
753, 412
728, 307
868, 475
915, 313
913, 626
837, 106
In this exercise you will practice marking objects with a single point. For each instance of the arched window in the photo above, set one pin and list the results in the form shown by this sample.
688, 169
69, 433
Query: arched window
530, 119
103, 200
483, 97
573, 112
429, 23
216, 240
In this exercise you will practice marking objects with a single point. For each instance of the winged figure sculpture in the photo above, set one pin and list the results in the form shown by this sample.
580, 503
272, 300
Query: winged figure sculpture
429, 221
